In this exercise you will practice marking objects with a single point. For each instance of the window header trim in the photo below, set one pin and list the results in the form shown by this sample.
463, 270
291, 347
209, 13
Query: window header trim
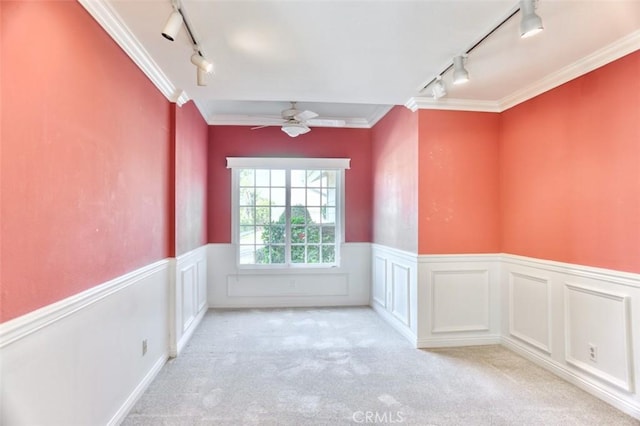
288, 163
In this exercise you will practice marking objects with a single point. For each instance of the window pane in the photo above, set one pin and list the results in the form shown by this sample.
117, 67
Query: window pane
247, 197
328, 234
314, 214
247, 255
246, 177
297, 254
298, 197
299, 215
263, 215
278, 196
330, 197
247, 235
262, 197
314, 177
262, 177
277, 215
313, 254
247, 216
278, 178
331, 178
273, 234
329, 215
313, 234
298, 178
298, 234
328, 254
277, 254
262, 254
313, 197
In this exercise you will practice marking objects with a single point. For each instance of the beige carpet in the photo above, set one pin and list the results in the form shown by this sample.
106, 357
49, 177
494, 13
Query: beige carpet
345, 366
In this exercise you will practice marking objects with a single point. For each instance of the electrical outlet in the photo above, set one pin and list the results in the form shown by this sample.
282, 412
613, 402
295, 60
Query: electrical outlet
593, 352
144, 347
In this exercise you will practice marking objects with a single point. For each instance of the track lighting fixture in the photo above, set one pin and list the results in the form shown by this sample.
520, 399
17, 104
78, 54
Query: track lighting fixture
460, 73
530, 23
173, 25
201, 76
198, 60
438, 90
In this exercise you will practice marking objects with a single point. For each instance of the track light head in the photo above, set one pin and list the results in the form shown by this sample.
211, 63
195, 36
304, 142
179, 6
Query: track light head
202, 76
173, 25
460, 74
438, 90
201, 62
530, 23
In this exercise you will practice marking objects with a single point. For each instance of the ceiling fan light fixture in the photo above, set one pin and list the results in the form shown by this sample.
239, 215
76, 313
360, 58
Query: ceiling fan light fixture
201, 63
173, 25
460, 73
531, 23
295, 129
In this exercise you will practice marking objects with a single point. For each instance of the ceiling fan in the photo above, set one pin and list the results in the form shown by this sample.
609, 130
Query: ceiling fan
297, 122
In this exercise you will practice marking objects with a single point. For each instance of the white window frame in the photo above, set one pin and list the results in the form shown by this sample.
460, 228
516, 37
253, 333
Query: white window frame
338, 164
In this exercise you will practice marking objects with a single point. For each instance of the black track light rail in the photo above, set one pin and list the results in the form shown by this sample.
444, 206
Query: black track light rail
486, 36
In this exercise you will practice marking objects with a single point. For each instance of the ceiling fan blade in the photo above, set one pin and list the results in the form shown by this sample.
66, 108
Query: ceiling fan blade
305, 115
326, 122
264, 125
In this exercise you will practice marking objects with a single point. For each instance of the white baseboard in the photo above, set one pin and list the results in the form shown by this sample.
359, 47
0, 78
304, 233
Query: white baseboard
187, 335
593, 387
450, 342
137, 392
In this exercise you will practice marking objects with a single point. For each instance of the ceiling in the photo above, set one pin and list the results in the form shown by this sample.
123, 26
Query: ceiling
353, 60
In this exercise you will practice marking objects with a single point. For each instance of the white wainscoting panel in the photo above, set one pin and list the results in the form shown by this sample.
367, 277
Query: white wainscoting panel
599, 321
189, 302
567, 308
460, 300
460, 305
379, 281
395, 284
530, 313
79, 361
233, 287
400, 293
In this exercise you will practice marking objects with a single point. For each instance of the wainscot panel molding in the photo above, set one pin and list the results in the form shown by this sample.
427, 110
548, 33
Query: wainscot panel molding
577, 321
460, 305
188, 297
81, 360
233, 287
395, 287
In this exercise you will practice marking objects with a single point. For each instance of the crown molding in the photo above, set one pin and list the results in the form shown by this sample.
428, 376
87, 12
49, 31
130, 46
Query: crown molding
249, 120
597, 59
616, 50
109, 20
423, 102
377, 115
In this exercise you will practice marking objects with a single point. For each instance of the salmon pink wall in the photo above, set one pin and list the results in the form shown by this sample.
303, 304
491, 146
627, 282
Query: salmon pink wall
570, 171
395, 180
241, 141
458, 208
84, 179
191, 140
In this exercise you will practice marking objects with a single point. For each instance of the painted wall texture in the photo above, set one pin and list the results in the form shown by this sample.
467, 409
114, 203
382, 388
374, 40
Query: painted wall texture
458, 195
395, 180
241, 141
570, 171
191, 141
84, 179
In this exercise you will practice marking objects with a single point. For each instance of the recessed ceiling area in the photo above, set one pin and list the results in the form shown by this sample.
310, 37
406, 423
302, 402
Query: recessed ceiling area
353, 60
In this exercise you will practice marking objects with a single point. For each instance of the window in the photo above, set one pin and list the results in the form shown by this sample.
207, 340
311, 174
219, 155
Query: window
287, 212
